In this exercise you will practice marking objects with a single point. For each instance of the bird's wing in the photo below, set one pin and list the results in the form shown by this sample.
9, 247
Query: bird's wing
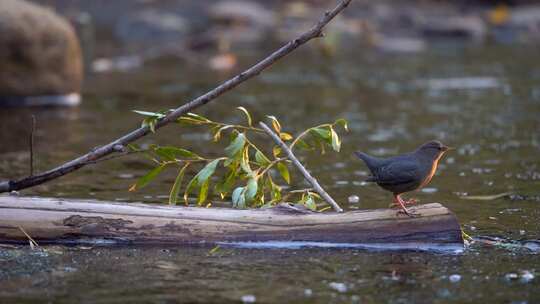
397, 172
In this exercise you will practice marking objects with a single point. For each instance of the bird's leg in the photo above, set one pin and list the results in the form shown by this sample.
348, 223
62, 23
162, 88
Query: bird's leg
408, 202
398, 201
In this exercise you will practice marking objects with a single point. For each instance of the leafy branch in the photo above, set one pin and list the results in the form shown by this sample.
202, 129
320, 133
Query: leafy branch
118, 145
245, 173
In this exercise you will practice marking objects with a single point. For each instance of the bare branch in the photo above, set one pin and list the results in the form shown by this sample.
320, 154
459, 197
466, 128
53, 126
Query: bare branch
31, 143
300, 167
109, 148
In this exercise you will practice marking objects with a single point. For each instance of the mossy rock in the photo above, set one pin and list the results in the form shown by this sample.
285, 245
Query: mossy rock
40, 54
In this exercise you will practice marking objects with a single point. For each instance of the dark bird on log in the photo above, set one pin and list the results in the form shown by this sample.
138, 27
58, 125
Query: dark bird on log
406, 172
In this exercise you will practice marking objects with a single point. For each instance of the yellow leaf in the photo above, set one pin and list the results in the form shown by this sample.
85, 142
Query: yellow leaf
276, 151
285, 136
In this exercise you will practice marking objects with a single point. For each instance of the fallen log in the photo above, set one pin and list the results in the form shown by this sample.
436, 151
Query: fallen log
54, 220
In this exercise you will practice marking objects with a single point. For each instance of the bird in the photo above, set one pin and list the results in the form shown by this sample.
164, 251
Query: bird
406, 172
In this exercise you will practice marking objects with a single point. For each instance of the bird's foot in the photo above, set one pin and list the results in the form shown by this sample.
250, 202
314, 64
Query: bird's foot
410, 201
407, 212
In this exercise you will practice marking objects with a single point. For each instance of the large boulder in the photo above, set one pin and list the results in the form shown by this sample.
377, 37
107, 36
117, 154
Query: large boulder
39, 55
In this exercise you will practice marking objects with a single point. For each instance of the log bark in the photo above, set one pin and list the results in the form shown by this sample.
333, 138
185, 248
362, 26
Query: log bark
53, 220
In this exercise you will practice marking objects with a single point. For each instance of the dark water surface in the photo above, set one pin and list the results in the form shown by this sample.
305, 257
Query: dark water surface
393, 104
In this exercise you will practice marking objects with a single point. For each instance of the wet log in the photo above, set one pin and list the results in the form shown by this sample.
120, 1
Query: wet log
54, 220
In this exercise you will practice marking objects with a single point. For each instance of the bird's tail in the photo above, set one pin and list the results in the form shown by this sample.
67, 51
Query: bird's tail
369, 161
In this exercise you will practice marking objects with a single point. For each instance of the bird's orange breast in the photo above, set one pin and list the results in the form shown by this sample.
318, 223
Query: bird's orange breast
432, 171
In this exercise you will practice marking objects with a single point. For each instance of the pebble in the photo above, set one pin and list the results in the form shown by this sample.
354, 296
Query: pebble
340, 287
430, 190
354, 199
308, 292
455, 278
126, 176
526, 276
248, 299
511, 276
340, 165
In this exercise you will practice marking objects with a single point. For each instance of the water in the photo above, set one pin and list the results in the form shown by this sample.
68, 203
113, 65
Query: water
391, 108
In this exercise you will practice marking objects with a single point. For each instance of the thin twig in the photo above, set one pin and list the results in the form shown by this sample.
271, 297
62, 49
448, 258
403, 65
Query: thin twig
31, 143
33, 244
300, 167
92, 156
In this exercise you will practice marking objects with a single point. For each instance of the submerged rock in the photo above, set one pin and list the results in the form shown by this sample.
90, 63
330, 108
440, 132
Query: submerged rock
40, 56
340, 287
468, 27
152, 25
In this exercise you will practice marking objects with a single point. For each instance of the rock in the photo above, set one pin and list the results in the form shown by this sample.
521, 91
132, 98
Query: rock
152, 26
246, 13
398, 44
239, 22
354, 199
527, 16
40, 56
469, 27
454, 278
340, 287
248, 299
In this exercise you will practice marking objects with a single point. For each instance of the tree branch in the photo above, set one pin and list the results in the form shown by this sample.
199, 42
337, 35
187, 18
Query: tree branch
118, 144
314, 183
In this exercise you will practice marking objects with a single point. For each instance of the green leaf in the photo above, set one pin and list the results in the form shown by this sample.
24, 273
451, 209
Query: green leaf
164, 153
207, 171
184, 153
248, 116
203, 192
133, 147
342, 122
322, 133
148, 177
236, 145
284, 171
261, 159
176, 186
228, 181
189, 188
217, 135
241, 202
275, 123
150, 122
314, 195
172, 153
237, 193
198, 117
276, 151
303, 145
194, 119
310, 203
190, 121
336, 142
251, 189
150, 114
244, 162
275, 190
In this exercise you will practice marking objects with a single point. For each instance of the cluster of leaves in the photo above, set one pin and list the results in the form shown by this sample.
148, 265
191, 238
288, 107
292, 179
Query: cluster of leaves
247, 169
